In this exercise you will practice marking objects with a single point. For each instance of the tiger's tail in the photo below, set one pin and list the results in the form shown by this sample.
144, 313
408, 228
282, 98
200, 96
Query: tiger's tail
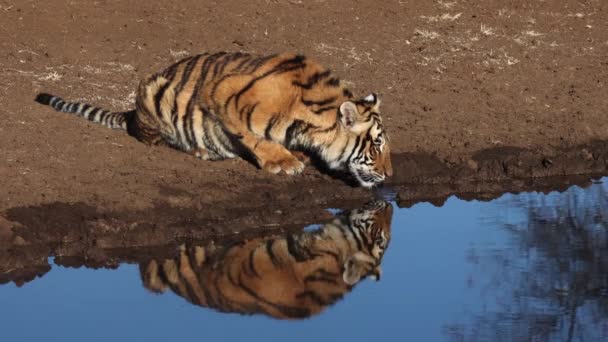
95, 114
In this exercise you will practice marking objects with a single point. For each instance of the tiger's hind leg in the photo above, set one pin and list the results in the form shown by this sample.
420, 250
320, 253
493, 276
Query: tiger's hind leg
200, 153
148, 131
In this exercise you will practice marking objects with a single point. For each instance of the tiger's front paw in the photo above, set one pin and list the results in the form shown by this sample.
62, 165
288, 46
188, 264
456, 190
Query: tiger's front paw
301, 157
290, 166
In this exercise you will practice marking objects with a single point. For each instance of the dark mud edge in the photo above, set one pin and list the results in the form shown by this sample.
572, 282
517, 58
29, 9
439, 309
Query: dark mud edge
79, 234
285, 202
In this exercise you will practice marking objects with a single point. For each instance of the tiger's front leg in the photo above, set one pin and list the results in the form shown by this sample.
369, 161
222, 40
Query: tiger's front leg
271, 156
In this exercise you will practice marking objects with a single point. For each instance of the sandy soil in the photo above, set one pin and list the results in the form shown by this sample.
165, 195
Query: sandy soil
472, 92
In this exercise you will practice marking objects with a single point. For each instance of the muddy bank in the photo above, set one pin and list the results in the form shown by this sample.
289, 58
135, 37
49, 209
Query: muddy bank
501, 163
79, 235
199, 208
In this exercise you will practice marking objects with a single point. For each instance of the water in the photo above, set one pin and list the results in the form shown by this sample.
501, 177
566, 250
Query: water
522, 267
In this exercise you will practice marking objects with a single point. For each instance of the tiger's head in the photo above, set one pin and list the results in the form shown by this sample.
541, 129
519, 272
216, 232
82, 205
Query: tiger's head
369, 160
372, 227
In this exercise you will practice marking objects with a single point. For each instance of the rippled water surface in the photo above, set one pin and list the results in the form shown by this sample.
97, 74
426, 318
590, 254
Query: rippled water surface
521, 267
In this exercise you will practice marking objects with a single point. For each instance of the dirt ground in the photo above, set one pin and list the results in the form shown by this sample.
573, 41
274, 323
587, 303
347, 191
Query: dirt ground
473, 92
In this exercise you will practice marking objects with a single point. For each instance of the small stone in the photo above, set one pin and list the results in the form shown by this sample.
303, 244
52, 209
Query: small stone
472, 164
19, 241
586, 154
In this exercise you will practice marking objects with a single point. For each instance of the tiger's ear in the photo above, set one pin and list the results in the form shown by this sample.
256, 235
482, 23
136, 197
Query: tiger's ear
355, 268
376, 273
348, 113
372, 100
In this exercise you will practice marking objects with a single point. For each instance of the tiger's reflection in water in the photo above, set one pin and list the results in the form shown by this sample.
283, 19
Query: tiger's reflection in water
289, 277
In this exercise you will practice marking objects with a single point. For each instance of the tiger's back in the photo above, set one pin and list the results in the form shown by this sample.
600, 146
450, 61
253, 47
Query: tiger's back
197, 102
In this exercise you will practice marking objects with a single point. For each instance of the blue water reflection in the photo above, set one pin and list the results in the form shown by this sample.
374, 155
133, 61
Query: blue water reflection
522, 267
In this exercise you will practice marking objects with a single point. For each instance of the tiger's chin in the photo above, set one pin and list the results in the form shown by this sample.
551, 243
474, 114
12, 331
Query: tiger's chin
367, 180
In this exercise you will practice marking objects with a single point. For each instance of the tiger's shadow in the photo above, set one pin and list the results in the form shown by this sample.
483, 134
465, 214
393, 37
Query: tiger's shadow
292, 276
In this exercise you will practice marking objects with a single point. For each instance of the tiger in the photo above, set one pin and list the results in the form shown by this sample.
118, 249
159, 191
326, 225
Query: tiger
275, 111
294, 276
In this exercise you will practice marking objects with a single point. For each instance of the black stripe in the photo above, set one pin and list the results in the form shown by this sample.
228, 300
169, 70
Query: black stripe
249, 114
313, 296
324, 109
219, 61
186, 128
258, 63
102, 116
294, 250
232, 57
285, 66
313, 80
244, 68
190, 293
207, 139
243, 111
217, 84
314, 278
232, 280
213, 61
212, 300
252, 263
291, 131
186, 74
204, 71
271, 255
326, 273
270, 125
59, 105
333, 82
355, 147
364, 239
331, 253
330, 128
318, 102
170, 72
111, 118
53, 101
158, 97
194, 98
293, 312
359, 244
84, 109
246, 59
238, 147
347, 93
93, 113
321, 275
174, 119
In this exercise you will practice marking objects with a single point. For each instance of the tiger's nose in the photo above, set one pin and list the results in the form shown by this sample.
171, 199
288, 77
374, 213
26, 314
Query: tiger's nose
388, 171
388, 167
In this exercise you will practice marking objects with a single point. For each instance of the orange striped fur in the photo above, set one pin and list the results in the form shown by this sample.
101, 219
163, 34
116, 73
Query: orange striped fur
262, 108
289, 277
